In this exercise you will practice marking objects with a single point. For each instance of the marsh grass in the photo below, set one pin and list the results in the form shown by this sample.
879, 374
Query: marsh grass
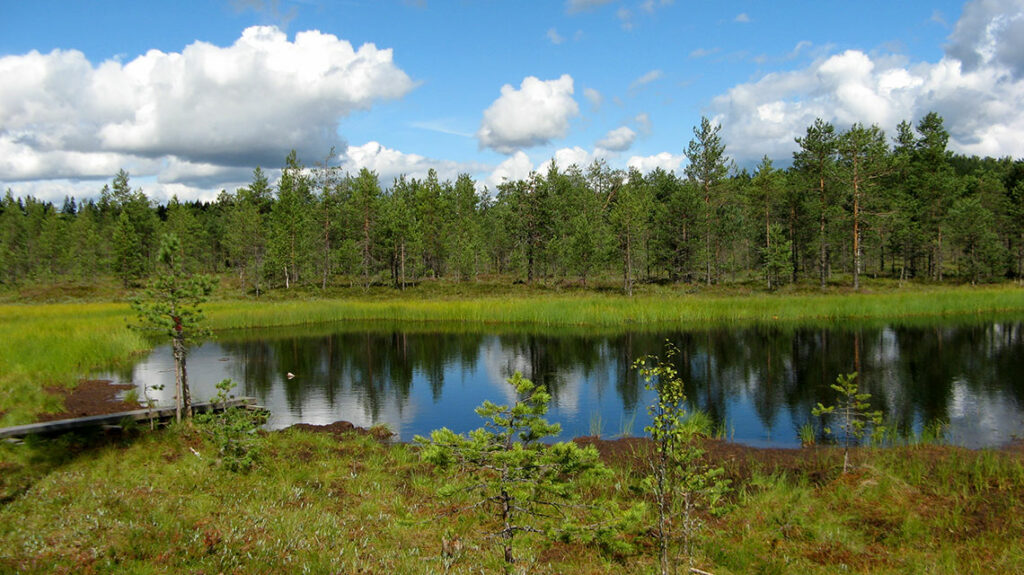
917, 509
602, 310
627, 425
55, 345
319, 504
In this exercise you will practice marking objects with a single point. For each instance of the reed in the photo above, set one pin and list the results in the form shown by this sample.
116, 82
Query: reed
601, 310
55, 345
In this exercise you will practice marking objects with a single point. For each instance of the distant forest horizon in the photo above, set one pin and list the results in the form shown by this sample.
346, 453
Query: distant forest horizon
854, 202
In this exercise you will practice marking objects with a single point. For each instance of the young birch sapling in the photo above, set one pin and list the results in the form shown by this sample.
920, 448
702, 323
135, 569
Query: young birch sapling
681, 481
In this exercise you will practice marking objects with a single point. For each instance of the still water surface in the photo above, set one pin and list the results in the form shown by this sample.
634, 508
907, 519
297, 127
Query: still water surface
759, 382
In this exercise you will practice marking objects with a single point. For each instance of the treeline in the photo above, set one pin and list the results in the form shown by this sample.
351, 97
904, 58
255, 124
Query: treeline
853, 202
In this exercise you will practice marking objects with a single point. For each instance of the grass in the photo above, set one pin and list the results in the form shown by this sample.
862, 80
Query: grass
158, 504
53, 346
601, 310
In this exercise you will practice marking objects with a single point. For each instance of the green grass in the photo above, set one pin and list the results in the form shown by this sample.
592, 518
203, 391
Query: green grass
55, 345
600, 310
159, 504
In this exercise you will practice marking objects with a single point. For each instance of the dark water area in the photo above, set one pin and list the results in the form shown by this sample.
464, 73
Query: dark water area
758, 383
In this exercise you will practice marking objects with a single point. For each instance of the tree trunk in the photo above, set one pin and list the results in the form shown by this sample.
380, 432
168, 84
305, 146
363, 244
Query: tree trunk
1020, 261
291, 258
767, 239
366, 249
177, 381
183, 397
794, 254
821, 234
628, 279
856, 229
506, 534
663, 513
707, 232
327, 252
186, 392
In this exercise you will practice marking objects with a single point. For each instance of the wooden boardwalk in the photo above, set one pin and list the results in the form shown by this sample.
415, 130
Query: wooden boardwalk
95, 421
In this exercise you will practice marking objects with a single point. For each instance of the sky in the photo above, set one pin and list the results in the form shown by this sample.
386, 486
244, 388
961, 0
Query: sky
189, 96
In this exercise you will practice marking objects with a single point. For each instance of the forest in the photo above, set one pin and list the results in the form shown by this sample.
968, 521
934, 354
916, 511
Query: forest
854, 203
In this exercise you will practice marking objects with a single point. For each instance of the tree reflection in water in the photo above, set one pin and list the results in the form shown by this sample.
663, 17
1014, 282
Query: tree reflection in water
760, 382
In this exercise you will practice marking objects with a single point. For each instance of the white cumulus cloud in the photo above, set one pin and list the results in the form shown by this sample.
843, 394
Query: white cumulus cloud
536, 113
516, 167
990, 32
977, 88
664, 160
389, 163
981, 105
201, 111
618, 139
565, 158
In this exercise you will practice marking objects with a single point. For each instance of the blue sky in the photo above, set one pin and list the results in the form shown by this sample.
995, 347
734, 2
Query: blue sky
190, 96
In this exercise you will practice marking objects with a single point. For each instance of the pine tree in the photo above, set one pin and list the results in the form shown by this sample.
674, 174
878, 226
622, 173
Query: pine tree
464, 228
865, 158
329, 185
13, 241
171, 305
400, 230
972, 230
290, 230
764, 188
630, 218
524, 482
364, 207
129, 264
816, 162
707, 169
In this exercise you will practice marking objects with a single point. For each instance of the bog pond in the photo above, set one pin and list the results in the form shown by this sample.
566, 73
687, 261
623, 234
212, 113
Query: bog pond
758, 382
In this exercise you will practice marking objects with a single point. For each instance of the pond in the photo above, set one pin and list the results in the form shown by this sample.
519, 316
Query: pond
758, 383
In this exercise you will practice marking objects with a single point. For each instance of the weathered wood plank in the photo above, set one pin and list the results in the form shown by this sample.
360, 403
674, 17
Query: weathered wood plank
156, 413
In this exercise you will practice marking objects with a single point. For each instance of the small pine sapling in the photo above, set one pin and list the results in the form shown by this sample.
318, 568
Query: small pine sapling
682, 482
529, 486
854, 413
171, 305
234, 430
